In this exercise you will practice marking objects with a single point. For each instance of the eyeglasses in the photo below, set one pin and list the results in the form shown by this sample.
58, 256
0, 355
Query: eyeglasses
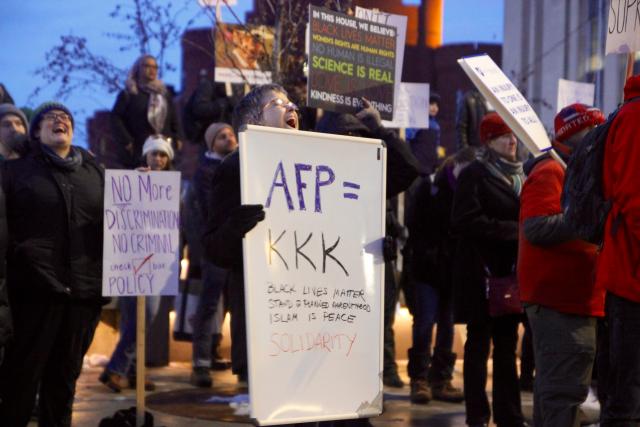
52, 117
279, 102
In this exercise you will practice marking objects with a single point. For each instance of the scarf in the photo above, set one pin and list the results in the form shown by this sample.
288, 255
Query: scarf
212, 155
70, 163
157, 111
509, 172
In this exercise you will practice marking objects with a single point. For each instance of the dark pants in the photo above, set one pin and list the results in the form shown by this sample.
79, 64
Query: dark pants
431, 305
390, 302
238, 324
527, 356
503, 331
623, 390
565, 348
213, 281
50, 340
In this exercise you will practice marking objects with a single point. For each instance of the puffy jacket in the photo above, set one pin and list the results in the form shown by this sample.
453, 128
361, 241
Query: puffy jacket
54, 218
618, 267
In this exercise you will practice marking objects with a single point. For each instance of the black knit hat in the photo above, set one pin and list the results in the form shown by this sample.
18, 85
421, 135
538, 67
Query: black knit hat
44, 108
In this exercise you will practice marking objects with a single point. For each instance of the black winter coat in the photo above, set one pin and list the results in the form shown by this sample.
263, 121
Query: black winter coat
208, 104
430, 242
485, 218
6, 329
130, 124
54, 219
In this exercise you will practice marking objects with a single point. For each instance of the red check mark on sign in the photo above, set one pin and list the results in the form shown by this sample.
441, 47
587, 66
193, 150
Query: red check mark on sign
144, 261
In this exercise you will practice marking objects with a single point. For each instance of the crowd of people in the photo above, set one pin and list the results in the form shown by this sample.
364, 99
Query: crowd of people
485, 219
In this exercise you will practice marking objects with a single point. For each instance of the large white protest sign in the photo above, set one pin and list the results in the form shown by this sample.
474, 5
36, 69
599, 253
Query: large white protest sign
314, 274
508, 102
623, 29
411, 108
570, 92
400, 22
141, 233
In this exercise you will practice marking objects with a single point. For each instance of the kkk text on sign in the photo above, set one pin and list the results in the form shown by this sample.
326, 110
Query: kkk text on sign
313, 274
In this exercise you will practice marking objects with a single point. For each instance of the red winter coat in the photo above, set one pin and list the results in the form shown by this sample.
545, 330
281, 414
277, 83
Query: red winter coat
558, 276
619, 261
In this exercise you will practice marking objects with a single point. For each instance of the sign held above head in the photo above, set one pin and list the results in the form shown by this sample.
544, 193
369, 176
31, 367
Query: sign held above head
350, 58
508, 102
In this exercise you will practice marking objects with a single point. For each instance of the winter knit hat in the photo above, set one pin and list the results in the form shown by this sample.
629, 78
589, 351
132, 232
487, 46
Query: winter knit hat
574, 118
492, 126
212, 131
157, 143
12, 109
44, 108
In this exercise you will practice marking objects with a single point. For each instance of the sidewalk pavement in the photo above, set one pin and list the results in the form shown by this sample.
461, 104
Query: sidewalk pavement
175, 403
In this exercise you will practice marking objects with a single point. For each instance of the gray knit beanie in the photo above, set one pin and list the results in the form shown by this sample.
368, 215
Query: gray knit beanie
12, 109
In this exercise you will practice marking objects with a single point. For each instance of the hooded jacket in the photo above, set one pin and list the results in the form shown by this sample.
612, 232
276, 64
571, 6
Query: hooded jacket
618, 269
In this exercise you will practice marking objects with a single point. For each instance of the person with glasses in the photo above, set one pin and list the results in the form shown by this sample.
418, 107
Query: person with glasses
143, 108
229, 220
54, 203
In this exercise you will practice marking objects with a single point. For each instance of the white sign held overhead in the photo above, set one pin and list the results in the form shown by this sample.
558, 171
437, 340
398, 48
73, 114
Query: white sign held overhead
623, 30
313, 274
141, 243
400, 22
411, 109
508, 102
570, 92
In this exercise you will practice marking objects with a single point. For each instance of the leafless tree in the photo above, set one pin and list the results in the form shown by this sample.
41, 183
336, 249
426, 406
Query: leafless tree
154, 27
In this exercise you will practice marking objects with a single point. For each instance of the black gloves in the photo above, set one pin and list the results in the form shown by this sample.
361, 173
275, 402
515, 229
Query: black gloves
244, 217
389, 249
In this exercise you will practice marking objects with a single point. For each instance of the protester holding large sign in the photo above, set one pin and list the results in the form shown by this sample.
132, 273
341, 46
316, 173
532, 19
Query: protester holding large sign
314, 299
350, 58
229, 220
54, 199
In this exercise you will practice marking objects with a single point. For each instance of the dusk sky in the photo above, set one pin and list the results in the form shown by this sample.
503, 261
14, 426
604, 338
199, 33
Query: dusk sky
30, 28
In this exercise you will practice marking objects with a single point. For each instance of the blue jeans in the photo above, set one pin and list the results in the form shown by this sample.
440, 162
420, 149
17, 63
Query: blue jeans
213, 281
431, 306
622, 407
123, 359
